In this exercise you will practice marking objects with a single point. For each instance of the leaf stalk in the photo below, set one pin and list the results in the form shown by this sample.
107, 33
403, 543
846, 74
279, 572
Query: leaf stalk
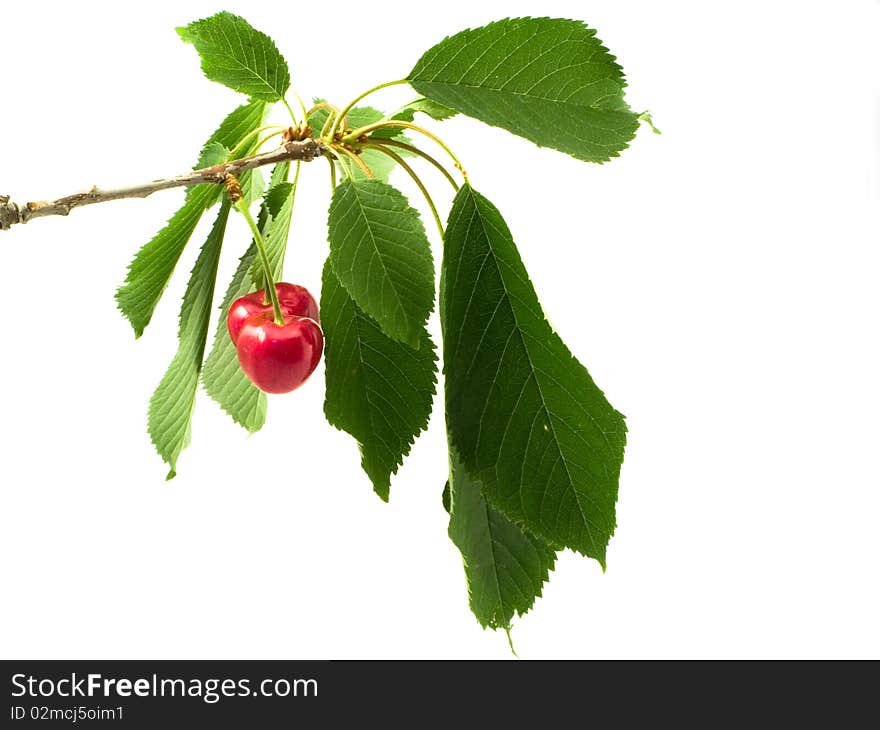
354, 101
356, 134
412, 173
357, 160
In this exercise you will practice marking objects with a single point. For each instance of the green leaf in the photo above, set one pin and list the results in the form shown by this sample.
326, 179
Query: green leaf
525, 416
240, 122
446, 497
253, 187
407, 113
382, 257
378, 390
237, 55
506, 566
359, 116
235, 127
433, 109
222, 377
381, 165
548, 80
153, 265
280, 173
172, 404
213, 153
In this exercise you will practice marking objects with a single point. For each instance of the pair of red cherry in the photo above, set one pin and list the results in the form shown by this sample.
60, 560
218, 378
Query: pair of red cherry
276, 357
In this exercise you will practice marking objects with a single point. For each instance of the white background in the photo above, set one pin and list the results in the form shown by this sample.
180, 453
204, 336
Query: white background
719, 281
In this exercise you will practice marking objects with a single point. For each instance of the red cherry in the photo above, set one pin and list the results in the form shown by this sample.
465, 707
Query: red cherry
279, 358
294, 300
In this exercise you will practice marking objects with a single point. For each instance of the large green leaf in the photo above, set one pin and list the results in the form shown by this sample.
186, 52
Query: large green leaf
152, 267
525, 416
378, 389
548, 80
171, 407
223, 379
237, 55
381, 255
506, 566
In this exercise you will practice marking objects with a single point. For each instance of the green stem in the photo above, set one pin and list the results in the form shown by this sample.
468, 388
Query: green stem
358, 133
330, 115
510, 641
302, 106
358, 161
412, 173
249, 136
646, 117
332, 174
347, 109
344, 165
425, 156
329, 122
242, 208
295, 182
266, 138
293, 190
290, 111
322, 105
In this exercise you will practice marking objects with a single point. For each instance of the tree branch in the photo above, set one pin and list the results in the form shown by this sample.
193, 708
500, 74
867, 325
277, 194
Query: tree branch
295, 150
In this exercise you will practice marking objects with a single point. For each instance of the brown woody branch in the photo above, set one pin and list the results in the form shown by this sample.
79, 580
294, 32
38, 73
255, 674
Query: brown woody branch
293, 150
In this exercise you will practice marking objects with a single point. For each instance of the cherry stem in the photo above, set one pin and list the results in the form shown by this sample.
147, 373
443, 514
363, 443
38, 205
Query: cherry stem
242, 208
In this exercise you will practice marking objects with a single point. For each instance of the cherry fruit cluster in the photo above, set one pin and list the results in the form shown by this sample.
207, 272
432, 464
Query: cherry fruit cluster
276, 356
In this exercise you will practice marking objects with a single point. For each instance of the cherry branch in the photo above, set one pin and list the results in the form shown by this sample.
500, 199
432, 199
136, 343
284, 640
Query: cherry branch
293, 150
